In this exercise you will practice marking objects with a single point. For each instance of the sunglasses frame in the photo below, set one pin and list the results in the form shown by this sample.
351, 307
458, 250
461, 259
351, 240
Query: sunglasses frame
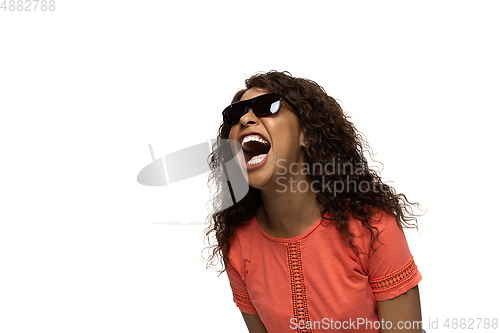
249, 104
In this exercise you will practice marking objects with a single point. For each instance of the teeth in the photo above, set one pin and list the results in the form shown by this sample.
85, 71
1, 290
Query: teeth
254, 162
257, 138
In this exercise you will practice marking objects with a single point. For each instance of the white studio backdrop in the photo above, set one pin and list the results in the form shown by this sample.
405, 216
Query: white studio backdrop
85, 87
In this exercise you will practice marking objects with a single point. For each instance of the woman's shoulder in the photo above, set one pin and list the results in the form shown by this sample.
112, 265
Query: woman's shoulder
243, 228
380, 229
241, 244
243, 233
378, 220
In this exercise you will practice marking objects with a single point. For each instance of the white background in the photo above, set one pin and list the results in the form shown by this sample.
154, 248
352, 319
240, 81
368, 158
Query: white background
85, 88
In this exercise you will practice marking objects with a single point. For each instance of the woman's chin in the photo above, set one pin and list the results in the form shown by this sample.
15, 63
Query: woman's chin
260, 170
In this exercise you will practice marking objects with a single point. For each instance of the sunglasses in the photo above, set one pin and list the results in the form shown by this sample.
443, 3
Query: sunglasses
262, 106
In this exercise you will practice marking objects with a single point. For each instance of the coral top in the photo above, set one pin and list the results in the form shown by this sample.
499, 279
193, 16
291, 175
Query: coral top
313, 282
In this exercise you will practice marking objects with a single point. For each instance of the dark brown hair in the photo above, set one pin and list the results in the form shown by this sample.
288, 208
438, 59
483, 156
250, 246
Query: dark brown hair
330, 137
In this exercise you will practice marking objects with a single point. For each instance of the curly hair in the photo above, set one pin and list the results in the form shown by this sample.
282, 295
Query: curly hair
330, 136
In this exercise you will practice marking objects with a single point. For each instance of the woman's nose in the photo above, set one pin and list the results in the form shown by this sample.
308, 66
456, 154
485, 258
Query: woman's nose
248, 118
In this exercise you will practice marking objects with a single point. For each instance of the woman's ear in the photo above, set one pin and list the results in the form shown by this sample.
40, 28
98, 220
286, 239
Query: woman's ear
303, 142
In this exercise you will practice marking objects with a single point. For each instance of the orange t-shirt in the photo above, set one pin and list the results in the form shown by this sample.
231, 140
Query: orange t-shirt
313, 282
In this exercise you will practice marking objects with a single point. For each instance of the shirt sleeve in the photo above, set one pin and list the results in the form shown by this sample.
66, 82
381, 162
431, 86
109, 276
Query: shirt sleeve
240, 293
391, 268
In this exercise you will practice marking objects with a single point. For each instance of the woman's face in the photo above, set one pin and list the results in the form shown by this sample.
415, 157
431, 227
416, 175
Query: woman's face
270, 144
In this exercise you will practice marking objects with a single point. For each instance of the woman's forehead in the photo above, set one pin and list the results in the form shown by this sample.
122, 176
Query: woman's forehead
253, 92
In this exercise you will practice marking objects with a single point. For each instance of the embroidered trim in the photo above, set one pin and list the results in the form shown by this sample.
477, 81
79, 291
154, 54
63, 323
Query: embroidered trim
242, 298
394, 280
298, 287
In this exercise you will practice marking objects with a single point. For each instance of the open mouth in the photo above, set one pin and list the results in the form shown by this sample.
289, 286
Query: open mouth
255, 149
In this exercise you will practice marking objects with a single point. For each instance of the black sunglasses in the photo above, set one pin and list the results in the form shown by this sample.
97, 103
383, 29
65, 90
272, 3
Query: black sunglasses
262, 106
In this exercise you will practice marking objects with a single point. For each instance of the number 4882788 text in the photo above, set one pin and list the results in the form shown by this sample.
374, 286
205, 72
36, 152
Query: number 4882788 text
28, 5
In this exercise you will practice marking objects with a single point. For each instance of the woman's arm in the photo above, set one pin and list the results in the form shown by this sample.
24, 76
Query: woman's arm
401, 310
254, 323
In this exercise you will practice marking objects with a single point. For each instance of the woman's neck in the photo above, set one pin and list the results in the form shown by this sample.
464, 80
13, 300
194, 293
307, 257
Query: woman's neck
288, 214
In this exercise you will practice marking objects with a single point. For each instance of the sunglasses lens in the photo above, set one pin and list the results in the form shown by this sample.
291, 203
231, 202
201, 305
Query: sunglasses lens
233, 113
265, 105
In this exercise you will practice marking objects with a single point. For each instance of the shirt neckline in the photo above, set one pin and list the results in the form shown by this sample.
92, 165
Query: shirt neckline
286, 240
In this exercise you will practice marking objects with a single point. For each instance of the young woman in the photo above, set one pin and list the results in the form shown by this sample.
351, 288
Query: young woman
317, 243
